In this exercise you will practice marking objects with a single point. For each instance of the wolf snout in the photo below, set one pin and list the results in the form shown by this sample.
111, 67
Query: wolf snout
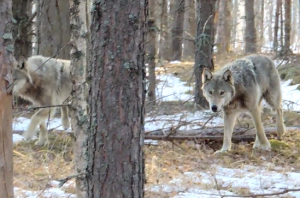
214, 108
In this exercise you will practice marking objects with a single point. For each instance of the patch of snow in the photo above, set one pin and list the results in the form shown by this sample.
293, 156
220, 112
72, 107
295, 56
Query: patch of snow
175, 62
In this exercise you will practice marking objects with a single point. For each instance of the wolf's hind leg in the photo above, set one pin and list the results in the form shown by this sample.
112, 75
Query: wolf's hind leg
40, 116
64, 117
274, 99
261, 140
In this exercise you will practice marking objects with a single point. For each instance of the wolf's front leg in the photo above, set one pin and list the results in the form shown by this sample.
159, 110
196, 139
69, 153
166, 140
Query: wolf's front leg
43, 136
229, 122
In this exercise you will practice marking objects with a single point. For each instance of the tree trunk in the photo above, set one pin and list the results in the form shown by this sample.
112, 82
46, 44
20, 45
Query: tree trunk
54, 29
114, 165
223, 28
79, 107
281, 29
151, 45
261, 23
6, 63
250, 31
177, 30
276, 25
164, 46
189, 30
287, 26
204, 45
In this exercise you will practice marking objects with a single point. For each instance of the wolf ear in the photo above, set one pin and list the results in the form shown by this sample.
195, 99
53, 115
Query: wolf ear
22, 61
206, 75
227, 76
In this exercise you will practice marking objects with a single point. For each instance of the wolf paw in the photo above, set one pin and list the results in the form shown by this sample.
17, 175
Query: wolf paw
42, 142
266, 146
27, 135
222, 151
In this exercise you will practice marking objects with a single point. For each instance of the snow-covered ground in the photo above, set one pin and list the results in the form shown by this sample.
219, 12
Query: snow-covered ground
256, 179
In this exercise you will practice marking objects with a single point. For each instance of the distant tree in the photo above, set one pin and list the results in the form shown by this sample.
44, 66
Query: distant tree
276, 25
204, 45
6, 63
53, 24
151, 52
111, 159
250, 30
165, 41
223, 27
177, 29
287, 27
234, 22
189, 28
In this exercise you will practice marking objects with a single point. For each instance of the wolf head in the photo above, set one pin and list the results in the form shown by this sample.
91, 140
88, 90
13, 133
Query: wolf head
21, 75
218, 89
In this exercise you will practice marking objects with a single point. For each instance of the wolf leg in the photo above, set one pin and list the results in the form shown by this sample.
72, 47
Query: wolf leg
37, 118
261, 140
64, 117
229, 122
279, 122
43, 136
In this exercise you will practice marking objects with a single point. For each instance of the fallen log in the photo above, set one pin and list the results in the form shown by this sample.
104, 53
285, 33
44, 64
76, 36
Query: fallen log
210, 134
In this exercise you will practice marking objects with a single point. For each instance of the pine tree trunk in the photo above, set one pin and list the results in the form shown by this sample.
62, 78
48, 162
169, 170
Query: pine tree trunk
177, 30
53, 22
189, 32
250, 31
204, 45
287, 26
115, 166
6, 64
79, 108
151, 52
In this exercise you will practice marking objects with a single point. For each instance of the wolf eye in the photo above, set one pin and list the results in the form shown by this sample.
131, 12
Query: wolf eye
222, 93
210, 92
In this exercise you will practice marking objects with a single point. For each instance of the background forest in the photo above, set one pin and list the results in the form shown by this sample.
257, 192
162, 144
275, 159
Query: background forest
181, 134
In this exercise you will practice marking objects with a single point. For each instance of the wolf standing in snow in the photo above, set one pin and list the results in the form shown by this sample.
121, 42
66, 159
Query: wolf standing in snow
240, 87
45, 82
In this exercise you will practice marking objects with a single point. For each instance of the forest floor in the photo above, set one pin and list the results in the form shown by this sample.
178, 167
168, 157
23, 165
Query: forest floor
179, 169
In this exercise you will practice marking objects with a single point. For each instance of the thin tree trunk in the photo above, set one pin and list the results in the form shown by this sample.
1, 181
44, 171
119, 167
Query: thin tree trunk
115, 166
151, 45
54, 29
79, 107
177, 30
204, 45
276, 25
250, 31
270, 21
6, 64
261, 23
287, 26
281, 29
189, 30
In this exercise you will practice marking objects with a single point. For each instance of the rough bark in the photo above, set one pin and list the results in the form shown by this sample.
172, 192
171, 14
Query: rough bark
79, 107
6, 63
53, 22
223, 27
287, 26
189, 30
204, 45
151, 52
250, 30
164, 46
276, 25
115, 166
177, 30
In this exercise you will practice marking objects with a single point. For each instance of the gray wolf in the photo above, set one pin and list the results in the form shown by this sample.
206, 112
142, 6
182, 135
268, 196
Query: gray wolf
239, 87
43, 81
